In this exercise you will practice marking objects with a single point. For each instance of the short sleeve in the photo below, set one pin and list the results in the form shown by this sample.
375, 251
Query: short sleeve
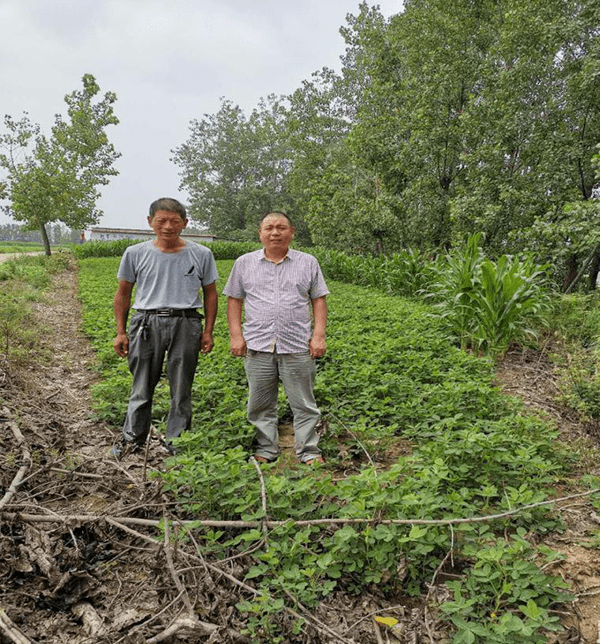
126, 270
234, 287
209, 274
318, 287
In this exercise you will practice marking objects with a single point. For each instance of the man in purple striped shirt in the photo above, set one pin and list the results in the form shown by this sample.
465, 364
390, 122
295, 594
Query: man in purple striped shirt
277, 288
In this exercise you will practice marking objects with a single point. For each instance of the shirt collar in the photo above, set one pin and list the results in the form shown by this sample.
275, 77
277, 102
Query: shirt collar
288, 256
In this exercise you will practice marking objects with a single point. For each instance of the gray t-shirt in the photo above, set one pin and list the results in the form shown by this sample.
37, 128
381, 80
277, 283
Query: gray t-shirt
167, 280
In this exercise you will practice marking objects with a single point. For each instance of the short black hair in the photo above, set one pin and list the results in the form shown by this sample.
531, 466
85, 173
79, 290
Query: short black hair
278, 213
169, 205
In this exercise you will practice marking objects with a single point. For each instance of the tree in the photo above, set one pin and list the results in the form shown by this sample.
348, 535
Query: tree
234, 167
57, 178
534, 126
482, 117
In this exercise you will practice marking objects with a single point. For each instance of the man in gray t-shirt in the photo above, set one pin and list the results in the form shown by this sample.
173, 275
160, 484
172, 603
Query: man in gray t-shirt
168, 273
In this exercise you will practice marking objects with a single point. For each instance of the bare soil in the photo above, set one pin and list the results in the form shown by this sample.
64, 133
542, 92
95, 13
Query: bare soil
81, 560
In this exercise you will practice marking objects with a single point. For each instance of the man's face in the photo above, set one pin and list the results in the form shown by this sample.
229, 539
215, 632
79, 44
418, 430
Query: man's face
167, 225
276, 233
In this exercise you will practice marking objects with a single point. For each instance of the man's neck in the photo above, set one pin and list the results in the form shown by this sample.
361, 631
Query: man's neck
276, 257
169, 246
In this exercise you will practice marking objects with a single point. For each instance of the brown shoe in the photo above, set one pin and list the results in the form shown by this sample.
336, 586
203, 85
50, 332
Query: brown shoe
318, 459
261, 459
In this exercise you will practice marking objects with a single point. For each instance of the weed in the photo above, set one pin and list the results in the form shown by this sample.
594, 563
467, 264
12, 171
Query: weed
504, 597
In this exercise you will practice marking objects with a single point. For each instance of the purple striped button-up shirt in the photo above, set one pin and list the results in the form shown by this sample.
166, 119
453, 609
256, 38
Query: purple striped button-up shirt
276, 299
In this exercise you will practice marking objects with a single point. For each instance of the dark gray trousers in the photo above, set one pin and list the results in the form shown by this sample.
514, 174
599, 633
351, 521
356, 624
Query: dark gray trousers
151, 337
297, 372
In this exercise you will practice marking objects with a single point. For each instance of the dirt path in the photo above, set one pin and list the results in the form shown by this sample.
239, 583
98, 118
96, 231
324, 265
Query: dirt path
6, 256
107, 579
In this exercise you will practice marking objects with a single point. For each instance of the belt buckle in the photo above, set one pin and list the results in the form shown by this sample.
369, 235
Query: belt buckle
164, 313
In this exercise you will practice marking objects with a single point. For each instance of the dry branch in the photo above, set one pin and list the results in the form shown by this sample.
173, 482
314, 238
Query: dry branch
169, 555
11, 631
210, 523
12, 490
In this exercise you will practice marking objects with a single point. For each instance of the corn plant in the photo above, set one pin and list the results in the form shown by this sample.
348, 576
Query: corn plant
510, 303
487, 305
455, 287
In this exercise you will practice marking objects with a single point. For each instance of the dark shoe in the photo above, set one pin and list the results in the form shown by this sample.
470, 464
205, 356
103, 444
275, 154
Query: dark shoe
171, 449
124, 447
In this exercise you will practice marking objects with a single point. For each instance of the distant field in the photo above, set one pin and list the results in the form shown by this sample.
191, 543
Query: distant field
26, 247
20, 247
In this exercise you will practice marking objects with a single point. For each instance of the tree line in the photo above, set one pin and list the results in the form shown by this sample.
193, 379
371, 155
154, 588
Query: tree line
57, 233
450, 118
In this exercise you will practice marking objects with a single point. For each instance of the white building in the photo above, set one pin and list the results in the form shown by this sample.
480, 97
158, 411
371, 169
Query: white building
110, 234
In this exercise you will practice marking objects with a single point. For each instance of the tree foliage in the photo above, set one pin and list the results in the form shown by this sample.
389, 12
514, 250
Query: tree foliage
234, 167
56, 178
450, 118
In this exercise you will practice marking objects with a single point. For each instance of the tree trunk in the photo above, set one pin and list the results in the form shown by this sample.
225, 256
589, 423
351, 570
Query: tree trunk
45, 239
571, 273
594, 270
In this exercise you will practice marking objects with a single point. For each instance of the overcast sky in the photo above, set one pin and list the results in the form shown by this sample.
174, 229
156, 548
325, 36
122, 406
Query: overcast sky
168, 61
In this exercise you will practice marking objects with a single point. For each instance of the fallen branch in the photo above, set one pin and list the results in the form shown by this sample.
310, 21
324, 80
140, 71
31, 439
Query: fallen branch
169, 555
209, 523
308, 618
11, 631
263, 496
86, 475
12, 489
192, 625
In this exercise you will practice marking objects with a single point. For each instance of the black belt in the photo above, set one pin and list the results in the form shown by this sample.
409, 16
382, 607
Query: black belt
171, 313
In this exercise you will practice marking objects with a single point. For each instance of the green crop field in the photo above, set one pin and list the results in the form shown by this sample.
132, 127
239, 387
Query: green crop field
417, 431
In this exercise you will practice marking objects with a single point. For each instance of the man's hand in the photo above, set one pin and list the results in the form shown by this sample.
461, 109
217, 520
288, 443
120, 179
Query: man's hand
121, 345
238, 347
317, 347
206, 342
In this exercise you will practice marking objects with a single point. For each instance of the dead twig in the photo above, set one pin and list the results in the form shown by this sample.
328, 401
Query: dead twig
86, 475
377, 633
364, 449
12, 489
263, 496
11, 631
146, 450
312, 620
170, 563
449, 555
40, 518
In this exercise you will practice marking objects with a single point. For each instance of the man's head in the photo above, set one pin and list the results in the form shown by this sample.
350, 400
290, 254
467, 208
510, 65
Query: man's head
273, 213
169, 205
167, 219
276, 232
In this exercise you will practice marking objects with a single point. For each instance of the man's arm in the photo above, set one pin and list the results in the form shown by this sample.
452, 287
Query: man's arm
122, 304
317, 346
237, 344
211, 305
